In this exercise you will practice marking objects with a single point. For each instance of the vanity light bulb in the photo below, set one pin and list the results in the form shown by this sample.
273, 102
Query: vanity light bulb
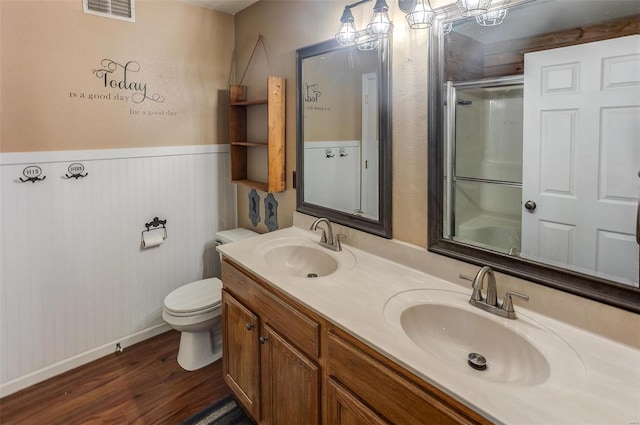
347, 34
380, 25
473, 7
421, 16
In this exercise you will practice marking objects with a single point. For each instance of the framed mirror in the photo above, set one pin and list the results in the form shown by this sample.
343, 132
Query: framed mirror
344, 134
534, 157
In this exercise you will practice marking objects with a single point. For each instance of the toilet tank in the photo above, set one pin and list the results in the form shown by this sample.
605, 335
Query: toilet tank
228, 236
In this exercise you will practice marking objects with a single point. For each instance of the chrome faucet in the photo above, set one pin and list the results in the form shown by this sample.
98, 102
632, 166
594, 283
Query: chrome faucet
490, 303
327, 240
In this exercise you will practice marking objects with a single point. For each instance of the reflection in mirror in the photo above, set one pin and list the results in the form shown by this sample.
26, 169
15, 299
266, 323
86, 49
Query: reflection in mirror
534, 139
343, 168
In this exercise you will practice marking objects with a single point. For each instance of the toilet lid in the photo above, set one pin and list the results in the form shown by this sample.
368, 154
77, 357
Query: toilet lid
194, 296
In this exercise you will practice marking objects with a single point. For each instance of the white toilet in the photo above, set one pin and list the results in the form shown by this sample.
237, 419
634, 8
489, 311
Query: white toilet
194, 310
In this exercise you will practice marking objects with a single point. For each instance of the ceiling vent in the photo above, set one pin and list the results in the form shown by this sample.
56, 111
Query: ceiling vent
118, 9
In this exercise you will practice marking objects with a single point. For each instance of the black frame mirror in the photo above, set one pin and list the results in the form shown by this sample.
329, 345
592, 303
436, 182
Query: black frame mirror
381, 226
588, 286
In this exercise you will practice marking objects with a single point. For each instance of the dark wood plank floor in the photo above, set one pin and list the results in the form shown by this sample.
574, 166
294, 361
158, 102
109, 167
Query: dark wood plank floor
142, 385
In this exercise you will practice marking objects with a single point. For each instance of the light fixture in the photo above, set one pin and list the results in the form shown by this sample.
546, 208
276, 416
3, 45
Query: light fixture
473, 7
447, 27
421, 16
380, 26
347, 33
493, 18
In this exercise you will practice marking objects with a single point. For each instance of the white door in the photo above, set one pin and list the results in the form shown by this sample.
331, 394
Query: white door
581, 157
369, 165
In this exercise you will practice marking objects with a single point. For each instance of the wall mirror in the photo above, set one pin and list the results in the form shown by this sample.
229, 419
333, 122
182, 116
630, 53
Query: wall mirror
344, 134
534, 160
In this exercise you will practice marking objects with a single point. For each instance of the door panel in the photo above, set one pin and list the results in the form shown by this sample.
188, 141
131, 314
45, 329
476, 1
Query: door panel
240, 344
290, 383
581, 157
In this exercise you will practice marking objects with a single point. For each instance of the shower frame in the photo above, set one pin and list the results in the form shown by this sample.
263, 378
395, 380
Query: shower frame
451, 101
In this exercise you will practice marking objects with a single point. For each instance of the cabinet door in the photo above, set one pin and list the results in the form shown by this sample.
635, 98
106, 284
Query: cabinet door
290, 383
344, 408
240, 352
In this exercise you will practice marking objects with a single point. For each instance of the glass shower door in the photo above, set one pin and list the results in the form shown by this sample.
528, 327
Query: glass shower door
483, 156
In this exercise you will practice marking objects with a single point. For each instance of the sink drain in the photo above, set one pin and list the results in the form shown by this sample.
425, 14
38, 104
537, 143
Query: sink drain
312, 275
477, 361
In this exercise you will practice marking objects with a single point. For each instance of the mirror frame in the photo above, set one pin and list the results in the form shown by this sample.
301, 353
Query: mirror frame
587, 286
382, 226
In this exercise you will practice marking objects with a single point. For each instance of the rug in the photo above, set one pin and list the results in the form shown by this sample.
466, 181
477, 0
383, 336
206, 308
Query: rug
223, 412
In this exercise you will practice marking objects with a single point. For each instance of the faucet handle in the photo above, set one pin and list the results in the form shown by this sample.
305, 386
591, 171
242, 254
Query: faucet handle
476, 295
336, 240
507, 303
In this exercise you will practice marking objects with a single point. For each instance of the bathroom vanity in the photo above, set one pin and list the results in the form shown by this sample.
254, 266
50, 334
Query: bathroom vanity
357, 343
285, 362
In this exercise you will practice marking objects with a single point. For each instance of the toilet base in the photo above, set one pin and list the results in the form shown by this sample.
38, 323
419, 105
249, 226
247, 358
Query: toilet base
199, 349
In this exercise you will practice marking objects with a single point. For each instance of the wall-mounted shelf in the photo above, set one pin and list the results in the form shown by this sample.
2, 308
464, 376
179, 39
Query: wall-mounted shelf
276, 135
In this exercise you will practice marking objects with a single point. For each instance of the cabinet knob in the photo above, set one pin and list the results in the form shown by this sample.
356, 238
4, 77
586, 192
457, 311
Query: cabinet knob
250, 326
263, 339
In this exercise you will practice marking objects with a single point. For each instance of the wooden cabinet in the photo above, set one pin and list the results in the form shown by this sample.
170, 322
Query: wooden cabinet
371, 386
240, 343
288, 365
275, 110
270, 353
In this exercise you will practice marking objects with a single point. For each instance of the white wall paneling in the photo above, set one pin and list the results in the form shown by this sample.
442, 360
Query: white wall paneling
73, 279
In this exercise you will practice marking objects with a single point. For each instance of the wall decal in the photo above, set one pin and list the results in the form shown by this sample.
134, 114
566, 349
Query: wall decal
115, 75
254, 207
75, 170
126, 87
271, 212
32, 174
312, 97
312, 92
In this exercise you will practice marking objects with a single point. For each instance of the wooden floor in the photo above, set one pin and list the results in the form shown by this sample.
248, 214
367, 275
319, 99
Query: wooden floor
142, 385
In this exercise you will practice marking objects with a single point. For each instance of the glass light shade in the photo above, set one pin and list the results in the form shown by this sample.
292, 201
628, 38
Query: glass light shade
421, 16
490, 19
473, 7
347, 34
380, 25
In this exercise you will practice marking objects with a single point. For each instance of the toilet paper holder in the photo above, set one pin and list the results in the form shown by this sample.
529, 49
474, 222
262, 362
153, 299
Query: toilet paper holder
155, 223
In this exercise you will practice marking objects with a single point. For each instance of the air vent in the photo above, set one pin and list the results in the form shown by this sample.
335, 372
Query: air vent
117, 9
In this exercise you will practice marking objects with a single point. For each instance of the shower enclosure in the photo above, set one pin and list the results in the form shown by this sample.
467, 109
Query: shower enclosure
483, 157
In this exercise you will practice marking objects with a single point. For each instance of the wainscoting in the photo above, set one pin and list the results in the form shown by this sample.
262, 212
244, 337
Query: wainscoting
74, 280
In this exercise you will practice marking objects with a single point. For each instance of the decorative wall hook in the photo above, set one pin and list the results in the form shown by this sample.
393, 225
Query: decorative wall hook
32, 174
343, 152
76, 170
329, 153
271, 212
254, 207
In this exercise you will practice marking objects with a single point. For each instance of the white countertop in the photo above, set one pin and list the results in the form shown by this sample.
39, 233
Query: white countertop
606, 390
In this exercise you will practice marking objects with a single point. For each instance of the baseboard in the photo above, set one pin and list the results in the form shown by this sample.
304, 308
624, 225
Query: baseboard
43, 374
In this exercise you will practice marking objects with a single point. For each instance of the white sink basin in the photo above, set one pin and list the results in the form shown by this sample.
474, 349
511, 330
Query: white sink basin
447, 329
304, 258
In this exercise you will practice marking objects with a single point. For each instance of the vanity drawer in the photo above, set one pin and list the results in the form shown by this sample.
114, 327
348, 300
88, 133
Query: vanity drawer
300, 329
389, 390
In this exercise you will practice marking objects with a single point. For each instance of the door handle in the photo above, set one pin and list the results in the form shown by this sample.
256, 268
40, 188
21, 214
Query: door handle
530, 205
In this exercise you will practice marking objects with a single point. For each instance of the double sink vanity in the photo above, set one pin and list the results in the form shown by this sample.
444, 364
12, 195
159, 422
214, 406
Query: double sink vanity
317, 335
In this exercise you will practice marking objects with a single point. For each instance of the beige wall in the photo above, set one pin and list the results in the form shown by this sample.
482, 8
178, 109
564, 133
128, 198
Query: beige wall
287, 26
50, 49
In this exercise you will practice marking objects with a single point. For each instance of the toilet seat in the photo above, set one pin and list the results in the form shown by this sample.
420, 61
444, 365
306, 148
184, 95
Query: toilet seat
194, 298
